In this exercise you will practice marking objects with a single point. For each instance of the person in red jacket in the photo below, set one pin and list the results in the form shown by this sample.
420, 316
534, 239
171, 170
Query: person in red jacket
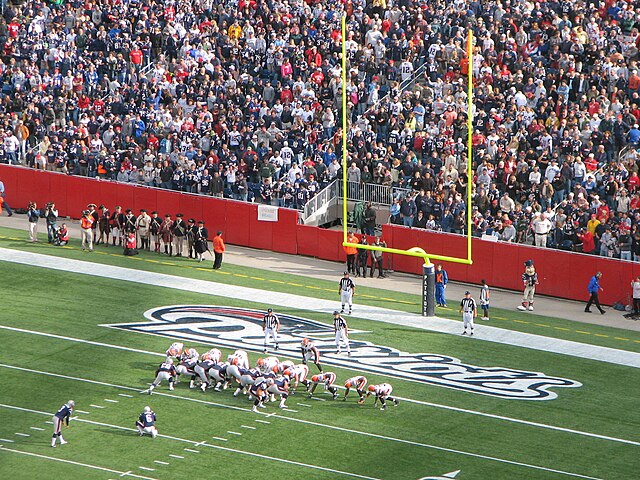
588, 243
130, 245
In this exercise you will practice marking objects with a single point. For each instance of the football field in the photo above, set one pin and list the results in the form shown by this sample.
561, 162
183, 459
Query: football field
94, 328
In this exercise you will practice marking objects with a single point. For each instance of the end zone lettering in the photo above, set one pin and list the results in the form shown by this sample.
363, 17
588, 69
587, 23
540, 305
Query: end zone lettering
234, 327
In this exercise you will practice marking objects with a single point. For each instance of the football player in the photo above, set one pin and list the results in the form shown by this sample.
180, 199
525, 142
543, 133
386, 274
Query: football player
282, 366
202, 370
239, 358
188, 361
358, 383
258, 391
280, 387
218, 372
310, 352
216, 355
62, 415
297, 375
267, 364
166, 371
328, 379
175, 350
147, 423
382, 393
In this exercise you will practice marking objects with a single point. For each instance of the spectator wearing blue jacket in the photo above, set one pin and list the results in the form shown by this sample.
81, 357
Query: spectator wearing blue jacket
594, 289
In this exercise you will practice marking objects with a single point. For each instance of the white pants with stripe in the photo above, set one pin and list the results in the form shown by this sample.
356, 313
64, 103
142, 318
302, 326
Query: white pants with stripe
270, 332
341, 336
346, 298
467, 318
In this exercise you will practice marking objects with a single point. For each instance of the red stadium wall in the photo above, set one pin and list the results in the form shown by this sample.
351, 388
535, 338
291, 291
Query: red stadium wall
561, 274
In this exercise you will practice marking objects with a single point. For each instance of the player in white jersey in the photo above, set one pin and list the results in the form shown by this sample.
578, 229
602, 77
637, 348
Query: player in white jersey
175, 350
282, 366
146, 423
267, 364
215, 355
382, 392
239, 358
297, 375
310, 352
166, 371
326, 378
469, 311
358, 383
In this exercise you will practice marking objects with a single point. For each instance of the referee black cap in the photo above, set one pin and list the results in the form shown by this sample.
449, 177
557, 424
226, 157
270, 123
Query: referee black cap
269, 310
467, 292
336, 312
346, 273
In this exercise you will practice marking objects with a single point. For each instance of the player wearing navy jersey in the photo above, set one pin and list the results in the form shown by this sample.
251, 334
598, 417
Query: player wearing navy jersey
202, 370
310, 352
358, 383
346, 290
342, 332
326, 378
218, 373
166, 371
63, 415
382, 392
188, 362
469, 311
271, 327
146, 423
280, 387
258, 391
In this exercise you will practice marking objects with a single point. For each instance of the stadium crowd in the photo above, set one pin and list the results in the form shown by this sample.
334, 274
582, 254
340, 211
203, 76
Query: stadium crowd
244, 99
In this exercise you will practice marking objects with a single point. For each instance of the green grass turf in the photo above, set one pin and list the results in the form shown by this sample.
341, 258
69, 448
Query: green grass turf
74, 305
274, 281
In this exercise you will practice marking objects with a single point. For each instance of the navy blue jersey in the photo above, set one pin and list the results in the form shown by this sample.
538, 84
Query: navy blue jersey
64, 413
220, 368
147, 419
167, 367
207, 364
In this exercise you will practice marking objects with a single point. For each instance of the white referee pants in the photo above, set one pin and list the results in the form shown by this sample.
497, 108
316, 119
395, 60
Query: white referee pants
467, 318
341, 336
270, 332
346, 297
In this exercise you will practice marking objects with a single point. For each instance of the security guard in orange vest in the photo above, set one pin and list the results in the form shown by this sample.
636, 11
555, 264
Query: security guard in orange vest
351, 252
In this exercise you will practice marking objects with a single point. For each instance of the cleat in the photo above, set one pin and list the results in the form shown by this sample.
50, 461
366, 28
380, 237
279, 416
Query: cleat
264, 351
283, 406
310, 395
53, 446
349, 312
396, 402
335, 395
348, 354
217, 389
255, 409
383, 408
191, 384
337, 352
171, 387
471, 335
530, 308
63, 442
464, 333
344, 399
262, 406
360, 402
342, 311
277, 346
203, 387
522, 308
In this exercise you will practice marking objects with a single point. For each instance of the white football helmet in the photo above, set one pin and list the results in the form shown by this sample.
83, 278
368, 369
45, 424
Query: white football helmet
147, 409
71, 403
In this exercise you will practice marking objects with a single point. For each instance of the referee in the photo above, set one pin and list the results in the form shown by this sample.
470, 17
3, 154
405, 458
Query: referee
271, 327
342, 331
469, 311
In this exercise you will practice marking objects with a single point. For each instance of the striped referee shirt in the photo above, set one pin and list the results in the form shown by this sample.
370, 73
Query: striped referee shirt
339, 323
270, 320
468, 305
346, 284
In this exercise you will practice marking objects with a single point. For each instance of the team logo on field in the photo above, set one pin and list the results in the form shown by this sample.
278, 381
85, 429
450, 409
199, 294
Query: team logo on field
233, 327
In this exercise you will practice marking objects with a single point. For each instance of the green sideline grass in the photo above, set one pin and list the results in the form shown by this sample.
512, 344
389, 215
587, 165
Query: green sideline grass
274, 281
75, 305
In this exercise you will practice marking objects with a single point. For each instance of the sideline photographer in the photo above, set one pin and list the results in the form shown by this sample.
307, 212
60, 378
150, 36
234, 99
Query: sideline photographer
51, 216
33, 215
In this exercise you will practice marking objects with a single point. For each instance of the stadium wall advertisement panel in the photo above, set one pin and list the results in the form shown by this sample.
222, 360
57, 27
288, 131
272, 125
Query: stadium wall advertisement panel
562, 274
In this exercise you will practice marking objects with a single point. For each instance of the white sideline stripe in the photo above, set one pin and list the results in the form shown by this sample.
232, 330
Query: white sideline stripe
147, 469
6, 440
125, 395
263, 421
96, 406
220, 438
22, 434
94, 467
493, 334
217, 447
175, 456
303, 404
111, 401
81, 411
234, 433
37, 428
247, 426
232, 407
160, 462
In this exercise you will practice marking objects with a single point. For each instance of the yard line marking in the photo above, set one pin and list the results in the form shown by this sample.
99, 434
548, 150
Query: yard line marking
263, 421
622, 338
247, 426
111, 401
175, 456
6, 440
160, 462
96, 406
234, 433
303, 404
82, 411
49, 422
220, 438
147, 469
125, 395
292, 410
601, 335
37, 428
373, 435
583, 332
318, 399
201, 443
189, 450
541, 325
23, 434
87, 465
435, 405
520, 321
563, 329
